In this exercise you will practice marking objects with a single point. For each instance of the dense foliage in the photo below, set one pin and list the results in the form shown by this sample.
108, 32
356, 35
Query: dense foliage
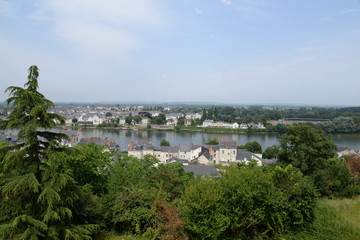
38, 197
247, 202
254, 147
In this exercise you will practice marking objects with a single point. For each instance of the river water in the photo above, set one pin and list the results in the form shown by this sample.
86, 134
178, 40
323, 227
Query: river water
123, 137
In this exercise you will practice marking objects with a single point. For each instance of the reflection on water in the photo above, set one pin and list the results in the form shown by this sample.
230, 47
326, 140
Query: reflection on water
123, 137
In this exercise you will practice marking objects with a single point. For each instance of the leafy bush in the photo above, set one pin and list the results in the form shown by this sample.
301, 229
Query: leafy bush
248, 202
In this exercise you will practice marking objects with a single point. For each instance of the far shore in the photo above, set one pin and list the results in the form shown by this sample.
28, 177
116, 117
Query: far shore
175, 128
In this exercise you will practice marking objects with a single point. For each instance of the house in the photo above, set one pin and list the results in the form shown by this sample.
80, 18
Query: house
122, 121
172, 118
214, 153
204, 158
93, 118
165, 153
243, 126
196, 151
211, 123
227, 151
245, 156
193, 116
231, 125
184, 152
140, 148
208, 123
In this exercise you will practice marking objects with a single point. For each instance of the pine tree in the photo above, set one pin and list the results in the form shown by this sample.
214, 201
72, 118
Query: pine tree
38, 198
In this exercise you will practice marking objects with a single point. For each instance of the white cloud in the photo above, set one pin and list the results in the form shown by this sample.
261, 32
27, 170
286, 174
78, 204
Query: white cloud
226, 2
100, 27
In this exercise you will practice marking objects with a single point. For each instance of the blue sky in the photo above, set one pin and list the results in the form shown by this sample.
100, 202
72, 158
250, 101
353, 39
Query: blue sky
226, 51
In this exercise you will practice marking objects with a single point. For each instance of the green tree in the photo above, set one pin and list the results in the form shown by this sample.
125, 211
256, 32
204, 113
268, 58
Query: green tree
137, 119
74, 120
181, 121
248, 202
89, 165
39, 196
212, 142
271, 152
160, 120
254, 147
108, 114
306, 148
164, 143
204, 209
128, 119
335, 179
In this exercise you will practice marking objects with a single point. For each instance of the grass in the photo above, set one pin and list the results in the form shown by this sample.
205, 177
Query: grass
336, 219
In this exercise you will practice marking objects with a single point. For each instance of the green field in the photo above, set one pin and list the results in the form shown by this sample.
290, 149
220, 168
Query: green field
336, 219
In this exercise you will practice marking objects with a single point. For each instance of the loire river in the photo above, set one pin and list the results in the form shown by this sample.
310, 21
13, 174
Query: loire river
123, 137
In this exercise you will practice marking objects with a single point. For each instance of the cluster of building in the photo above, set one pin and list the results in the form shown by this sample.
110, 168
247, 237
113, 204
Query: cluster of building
74, 138
95, 115
225, 153
212, 123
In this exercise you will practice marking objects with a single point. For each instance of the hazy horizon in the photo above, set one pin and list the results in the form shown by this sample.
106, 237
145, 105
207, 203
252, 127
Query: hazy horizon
219, 51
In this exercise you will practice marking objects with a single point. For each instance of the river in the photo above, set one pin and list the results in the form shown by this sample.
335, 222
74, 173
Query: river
123, 137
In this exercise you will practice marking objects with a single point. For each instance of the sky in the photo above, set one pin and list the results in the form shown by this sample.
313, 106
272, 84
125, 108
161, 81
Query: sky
225, 51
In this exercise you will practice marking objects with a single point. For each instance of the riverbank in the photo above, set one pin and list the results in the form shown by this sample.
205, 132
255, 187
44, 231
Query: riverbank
184, 129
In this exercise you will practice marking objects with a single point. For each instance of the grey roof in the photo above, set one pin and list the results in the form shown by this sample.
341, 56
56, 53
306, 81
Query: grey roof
142, 145
243, 154
184, 148
169, 149
228, 144
205, 152
214, 147
202, 170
